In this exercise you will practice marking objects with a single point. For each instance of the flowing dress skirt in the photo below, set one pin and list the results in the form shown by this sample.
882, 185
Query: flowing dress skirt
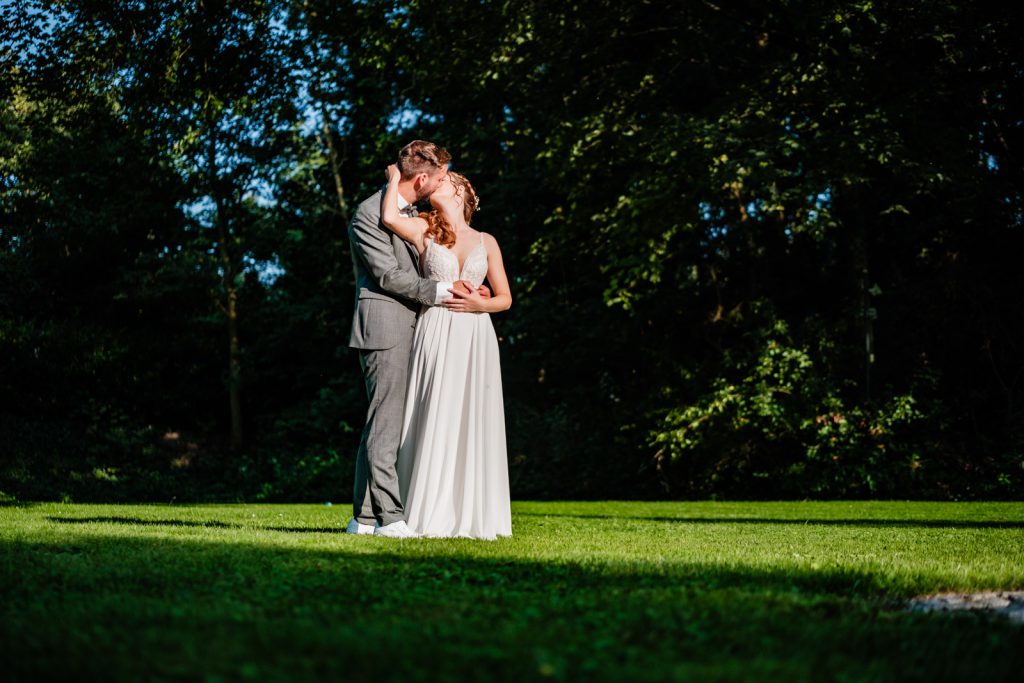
452, 464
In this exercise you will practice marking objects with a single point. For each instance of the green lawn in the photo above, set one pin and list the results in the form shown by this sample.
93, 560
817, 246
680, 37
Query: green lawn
583, 591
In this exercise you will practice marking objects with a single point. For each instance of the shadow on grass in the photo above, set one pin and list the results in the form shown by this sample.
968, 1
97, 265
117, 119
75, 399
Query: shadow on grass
140, 521
910, 523
869, 523
188, 523
129, 607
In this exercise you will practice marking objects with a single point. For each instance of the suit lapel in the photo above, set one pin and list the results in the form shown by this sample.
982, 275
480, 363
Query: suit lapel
413, 254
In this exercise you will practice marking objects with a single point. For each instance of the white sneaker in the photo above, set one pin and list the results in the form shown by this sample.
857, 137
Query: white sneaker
397, 529
354, 527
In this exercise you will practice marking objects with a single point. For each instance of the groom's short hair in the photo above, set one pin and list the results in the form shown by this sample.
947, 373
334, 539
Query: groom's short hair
421, 156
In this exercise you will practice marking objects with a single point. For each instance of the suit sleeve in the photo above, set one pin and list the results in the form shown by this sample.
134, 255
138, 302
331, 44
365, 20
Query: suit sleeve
373, 244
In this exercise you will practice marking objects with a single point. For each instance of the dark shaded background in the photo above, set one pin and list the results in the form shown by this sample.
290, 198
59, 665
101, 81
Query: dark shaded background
757, 249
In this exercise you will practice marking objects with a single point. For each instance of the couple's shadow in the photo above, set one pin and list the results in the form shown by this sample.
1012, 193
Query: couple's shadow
211, 524
862, 522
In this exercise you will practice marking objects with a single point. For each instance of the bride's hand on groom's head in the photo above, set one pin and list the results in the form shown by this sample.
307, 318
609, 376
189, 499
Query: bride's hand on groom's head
392, 173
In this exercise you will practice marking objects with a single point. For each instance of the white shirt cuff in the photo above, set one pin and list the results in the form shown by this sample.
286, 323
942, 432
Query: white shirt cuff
442, 292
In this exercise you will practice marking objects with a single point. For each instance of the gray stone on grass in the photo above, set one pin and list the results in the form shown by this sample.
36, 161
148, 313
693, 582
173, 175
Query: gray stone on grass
1007, 603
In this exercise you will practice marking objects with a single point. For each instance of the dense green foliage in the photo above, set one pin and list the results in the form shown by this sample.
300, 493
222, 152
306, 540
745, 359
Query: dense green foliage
757, 249
644, 592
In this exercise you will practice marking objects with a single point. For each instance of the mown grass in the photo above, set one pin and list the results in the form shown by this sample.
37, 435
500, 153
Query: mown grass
583, 591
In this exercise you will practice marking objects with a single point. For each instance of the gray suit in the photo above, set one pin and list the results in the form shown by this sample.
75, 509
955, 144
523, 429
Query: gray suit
389, 292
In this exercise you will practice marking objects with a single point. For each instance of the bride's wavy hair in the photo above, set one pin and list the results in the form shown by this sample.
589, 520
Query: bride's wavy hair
438, 229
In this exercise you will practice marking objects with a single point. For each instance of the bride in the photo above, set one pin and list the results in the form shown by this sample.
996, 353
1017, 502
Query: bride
452, 463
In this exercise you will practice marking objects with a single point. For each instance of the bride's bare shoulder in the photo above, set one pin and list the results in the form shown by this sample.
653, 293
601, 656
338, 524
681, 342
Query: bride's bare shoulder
489, 239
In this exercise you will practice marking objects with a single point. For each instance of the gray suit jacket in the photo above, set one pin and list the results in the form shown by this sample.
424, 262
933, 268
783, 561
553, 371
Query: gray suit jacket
389, 290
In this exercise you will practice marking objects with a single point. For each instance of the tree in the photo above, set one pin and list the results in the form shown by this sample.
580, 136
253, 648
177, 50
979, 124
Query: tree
208, 81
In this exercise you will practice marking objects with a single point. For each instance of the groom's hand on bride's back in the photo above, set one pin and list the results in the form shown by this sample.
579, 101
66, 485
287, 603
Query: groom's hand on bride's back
484, 292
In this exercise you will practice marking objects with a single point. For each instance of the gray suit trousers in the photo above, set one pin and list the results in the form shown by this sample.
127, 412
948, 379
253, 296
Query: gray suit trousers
376, 492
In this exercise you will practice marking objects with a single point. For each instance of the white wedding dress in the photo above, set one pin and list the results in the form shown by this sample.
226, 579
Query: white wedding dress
452, 464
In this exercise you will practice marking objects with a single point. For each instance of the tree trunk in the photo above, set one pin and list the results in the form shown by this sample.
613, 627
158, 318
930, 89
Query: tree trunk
230, 306
234, 379
335, 169
234, 348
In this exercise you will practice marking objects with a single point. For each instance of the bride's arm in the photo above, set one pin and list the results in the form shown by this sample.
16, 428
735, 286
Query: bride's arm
409, 229
501, 297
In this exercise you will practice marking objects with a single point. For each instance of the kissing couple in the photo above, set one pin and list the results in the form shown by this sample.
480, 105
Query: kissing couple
432, 460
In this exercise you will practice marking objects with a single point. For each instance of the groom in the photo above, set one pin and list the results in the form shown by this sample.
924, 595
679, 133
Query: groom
389, 293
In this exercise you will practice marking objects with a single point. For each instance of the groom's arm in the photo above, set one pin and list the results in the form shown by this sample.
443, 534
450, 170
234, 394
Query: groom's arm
373, 244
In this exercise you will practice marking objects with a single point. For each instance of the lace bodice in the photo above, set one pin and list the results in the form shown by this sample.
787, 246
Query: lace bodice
441, 264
